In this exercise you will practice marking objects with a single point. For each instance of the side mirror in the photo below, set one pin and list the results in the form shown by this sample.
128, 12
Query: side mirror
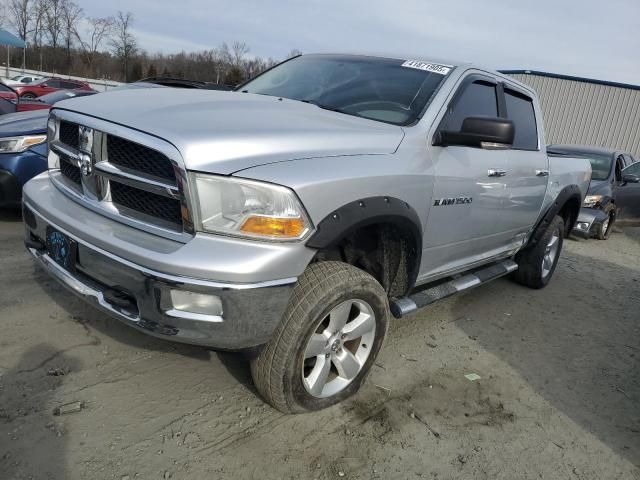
630, 178
483, 132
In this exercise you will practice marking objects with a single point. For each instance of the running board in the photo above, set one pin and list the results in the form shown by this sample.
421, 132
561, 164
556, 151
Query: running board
406, 305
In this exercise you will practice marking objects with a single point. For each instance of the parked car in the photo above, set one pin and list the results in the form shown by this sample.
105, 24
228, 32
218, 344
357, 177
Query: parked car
48, 85
185, 83
45, 102
23, 152
22, 79
614, 191
296, 215
8, 93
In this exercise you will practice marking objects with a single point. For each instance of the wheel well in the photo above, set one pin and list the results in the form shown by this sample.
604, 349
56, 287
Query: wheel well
569, 212
388, 252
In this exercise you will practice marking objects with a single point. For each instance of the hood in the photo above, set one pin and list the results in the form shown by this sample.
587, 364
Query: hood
600, 187
223, 132
23, 123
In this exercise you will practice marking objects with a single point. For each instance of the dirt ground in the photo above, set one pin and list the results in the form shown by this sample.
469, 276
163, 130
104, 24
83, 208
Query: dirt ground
558, 397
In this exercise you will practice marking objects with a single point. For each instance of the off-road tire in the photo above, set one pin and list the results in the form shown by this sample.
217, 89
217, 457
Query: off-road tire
277, 368
529, 260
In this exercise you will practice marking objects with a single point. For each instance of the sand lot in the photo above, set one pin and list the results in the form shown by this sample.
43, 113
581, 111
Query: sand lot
558, 397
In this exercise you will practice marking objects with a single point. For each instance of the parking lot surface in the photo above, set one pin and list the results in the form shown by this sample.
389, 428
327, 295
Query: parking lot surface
558, 394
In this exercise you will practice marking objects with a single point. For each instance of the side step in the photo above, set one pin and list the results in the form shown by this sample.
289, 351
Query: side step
406, 305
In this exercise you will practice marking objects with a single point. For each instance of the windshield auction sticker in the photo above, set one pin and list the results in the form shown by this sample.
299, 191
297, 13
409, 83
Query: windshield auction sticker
427, 67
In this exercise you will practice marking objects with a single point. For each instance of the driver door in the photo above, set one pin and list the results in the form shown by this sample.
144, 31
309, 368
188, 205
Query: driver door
465, 223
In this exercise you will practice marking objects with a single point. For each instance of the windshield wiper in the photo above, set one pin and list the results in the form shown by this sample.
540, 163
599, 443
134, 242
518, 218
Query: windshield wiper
330, 108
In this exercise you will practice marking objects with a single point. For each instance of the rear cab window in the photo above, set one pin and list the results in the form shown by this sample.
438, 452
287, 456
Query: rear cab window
521, 112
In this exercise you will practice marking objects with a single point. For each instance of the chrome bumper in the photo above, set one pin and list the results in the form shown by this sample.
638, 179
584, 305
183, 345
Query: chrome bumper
250, 312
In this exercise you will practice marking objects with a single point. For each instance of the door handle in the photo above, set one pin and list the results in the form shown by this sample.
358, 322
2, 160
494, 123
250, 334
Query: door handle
542, 173
496, 172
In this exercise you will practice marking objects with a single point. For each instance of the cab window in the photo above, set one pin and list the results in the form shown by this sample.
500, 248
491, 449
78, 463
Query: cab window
478, 99
520, 111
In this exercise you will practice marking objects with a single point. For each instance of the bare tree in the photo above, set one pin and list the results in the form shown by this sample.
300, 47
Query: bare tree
239, 50
54, 20
71, 16
97, 31
20, 17
38, 12
294, 53
123, 42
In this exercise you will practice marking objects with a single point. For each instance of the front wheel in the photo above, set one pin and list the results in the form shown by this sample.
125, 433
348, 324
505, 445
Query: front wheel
605, 227
28, 96
537, 263
328, 339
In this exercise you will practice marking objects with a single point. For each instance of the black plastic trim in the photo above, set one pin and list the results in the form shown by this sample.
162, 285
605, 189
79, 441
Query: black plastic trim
567, 193
10, 189
369, 211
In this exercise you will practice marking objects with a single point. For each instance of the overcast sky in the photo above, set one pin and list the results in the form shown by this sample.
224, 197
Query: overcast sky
590, 38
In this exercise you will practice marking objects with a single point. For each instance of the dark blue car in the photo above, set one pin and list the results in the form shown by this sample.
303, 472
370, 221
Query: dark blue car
23, 152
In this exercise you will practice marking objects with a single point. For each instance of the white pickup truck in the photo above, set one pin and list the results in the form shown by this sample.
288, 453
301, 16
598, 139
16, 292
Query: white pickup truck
294, 216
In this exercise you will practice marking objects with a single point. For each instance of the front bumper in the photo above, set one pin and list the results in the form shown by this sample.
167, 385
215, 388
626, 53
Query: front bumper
250, 311
589, 221
10, 189
15, 170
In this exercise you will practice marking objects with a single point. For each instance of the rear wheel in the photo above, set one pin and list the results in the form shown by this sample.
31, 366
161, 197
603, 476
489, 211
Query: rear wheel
27, 95
537, 263
327, 341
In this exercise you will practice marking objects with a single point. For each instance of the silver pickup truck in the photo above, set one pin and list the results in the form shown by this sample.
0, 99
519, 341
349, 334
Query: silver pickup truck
293, 217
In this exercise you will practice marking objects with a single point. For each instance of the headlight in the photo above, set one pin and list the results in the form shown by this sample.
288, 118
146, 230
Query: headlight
250, 209
20, 144
591, 200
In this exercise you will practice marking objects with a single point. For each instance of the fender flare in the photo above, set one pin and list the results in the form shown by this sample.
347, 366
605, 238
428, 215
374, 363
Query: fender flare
567, 193
369, 211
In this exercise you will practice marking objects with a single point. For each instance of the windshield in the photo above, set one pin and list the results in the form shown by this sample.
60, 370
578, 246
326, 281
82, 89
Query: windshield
383, 89
600, 165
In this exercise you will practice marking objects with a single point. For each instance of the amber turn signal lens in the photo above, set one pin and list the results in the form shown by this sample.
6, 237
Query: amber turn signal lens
274, 227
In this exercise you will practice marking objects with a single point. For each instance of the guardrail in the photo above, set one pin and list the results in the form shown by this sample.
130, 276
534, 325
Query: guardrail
100, 85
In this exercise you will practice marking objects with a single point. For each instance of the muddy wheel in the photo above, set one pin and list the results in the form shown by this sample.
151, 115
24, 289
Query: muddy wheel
537, 263
329, 337
605, 228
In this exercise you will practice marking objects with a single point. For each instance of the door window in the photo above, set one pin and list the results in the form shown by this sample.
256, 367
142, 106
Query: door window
69, 85
633, 169
520, 111
477, 100
53, 83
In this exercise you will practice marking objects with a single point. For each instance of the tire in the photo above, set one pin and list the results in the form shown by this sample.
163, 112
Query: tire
535, 267
28, 95
280, 372
606, 227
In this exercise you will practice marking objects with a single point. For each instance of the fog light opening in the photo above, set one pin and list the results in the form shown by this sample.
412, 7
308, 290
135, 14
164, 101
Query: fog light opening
583, 226
198, 303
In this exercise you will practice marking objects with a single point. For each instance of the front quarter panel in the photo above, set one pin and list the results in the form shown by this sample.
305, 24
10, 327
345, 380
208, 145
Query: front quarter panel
326, 184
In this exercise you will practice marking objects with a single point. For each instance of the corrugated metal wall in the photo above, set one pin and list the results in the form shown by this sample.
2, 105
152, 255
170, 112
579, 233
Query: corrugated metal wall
588, 113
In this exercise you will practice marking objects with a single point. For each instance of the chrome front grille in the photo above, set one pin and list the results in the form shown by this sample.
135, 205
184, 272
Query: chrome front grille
134, 156
128, 176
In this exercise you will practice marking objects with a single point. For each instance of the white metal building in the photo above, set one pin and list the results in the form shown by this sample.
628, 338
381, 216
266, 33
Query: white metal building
585, 111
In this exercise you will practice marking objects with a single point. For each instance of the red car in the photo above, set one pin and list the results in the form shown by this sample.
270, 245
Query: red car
48, 85
8, 93
45, 102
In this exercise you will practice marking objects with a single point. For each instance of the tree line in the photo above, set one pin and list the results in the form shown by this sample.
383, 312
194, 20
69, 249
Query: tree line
60, 38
